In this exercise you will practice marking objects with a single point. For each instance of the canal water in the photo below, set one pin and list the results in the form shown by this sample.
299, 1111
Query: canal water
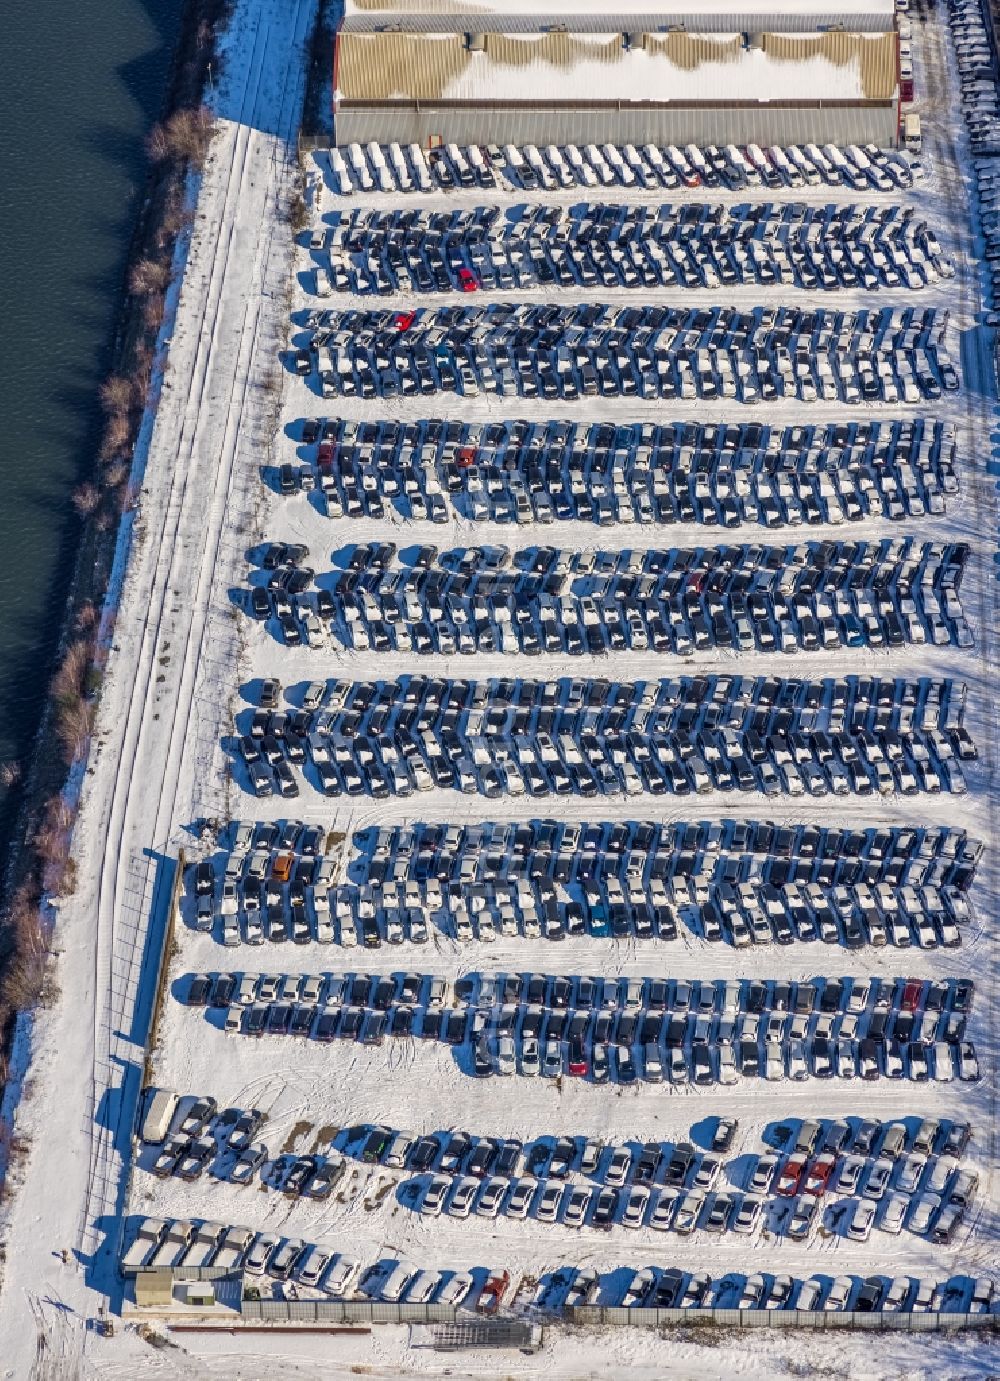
80, 87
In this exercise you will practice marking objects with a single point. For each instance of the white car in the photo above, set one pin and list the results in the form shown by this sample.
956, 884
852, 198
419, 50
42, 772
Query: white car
663, 1210
894, 1212
642, 1282
489, 1201
520, 1198
748, 1215
340, 1278
435, 1195
547, 1208
462, 1197
688, 1213
860, 1226
312, 1265
552, 1063
968, 1062
840, 1293
753, 1292
257, 1257
809, 1295
897, 1295
944, 1066
635, 1207
456, 1289
982, 1296
923, 1213
423, 1287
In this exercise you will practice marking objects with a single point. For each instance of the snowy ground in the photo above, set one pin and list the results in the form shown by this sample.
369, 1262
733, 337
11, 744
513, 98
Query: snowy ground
161, 764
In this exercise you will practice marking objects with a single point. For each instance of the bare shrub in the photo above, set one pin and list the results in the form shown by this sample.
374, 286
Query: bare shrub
184, 137
86, 498
23, 982
74, 715
153, 311
87, 616
69, 878
148, 276
175, 217
74, 724
24, 978
116, 435
58, 816
68, 680
298, 215
116, 475
116, 394
53, 851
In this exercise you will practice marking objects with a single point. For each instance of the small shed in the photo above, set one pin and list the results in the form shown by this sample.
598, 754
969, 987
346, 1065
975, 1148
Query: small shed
154, 1289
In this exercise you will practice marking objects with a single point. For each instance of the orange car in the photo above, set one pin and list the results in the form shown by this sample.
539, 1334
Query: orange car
281, 869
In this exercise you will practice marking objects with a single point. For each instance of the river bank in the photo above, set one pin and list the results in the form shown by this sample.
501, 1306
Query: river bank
37, 857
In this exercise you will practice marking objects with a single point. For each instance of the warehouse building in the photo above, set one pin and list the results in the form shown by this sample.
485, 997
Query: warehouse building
641, 71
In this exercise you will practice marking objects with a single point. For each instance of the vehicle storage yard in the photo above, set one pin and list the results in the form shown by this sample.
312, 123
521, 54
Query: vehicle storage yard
465, 1005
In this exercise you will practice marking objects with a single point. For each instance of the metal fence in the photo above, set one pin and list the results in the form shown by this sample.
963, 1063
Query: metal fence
344, 1311
595, 1316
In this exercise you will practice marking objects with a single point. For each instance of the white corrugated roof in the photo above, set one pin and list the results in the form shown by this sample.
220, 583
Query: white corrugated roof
650, 16
588, 67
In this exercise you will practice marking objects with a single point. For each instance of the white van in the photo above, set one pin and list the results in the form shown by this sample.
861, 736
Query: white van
160, 1108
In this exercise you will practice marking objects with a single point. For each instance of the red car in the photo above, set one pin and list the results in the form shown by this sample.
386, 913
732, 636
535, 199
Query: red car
465, 457
788, 1180
819, 1174
404, 320
911, 995
577, 1063
467, 281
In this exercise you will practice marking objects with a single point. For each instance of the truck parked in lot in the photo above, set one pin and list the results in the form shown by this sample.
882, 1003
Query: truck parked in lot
161, 1105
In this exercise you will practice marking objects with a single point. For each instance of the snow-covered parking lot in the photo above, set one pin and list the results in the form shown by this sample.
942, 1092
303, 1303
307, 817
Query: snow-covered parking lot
511, 878
338, 1053
351, 630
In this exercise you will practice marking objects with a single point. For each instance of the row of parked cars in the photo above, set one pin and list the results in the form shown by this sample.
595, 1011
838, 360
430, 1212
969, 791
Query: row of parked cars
714, 1059
740, 914
716, 851
753, 883
694, 245
408, 168
811, 597
673, 1288
621, 879
754, 1033
859, 1005
717, 475
534, 350
517, 737
320, 1272
977, 65
975, 51
700, 1209
875, 1170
